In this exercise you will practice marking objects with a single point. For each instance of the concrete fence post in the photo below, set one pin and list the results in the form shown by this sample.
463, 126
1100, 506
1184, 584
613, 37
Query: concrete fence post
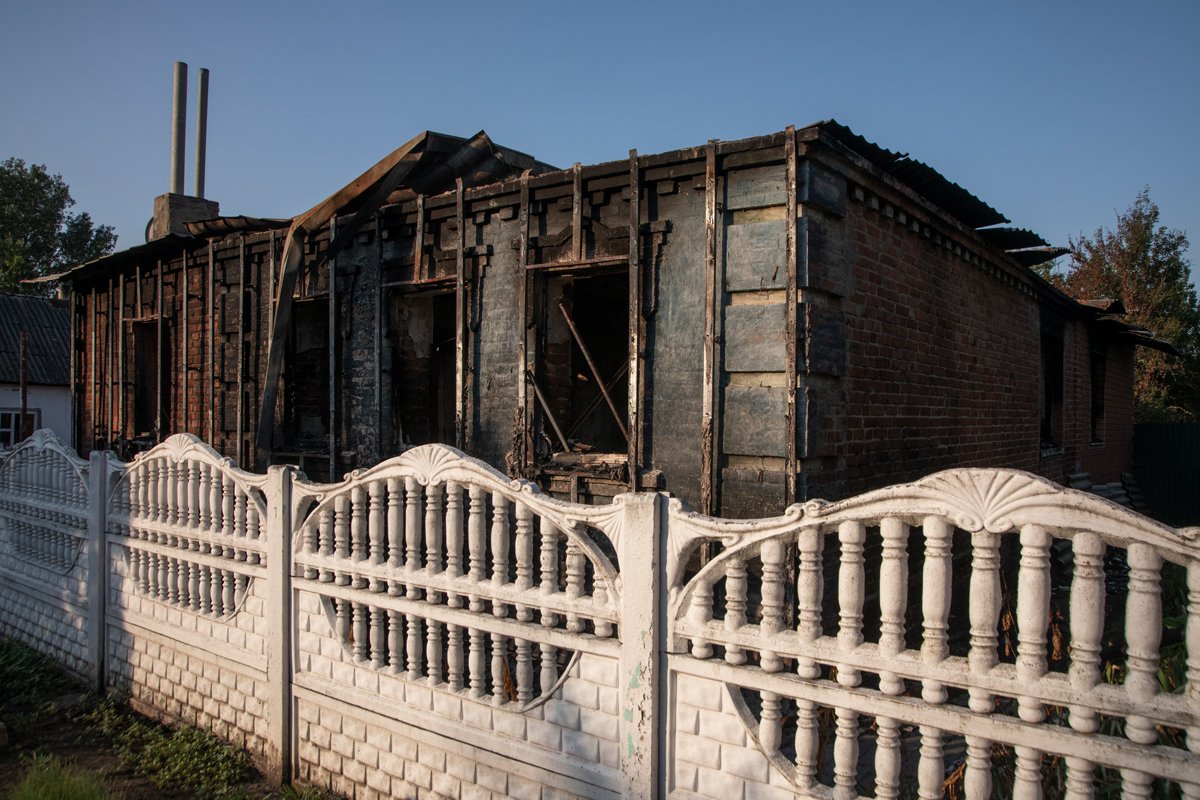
97, 566
642, 613
278, 610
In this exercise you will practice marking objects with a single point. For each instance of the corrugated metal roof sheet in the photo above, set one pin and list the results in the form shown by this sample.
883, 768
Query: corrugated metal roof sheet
922, 178
1012, 238
47, 325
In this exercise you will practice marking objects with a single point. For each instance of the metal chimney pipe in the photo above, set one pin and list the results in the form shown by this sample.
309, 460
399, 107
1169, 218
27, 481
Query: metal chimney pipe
201, 130
178, 127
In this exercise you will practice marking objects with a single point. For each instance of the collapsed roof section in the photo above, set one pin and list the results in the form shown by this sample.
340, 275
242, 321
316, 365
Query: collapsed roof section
430, 163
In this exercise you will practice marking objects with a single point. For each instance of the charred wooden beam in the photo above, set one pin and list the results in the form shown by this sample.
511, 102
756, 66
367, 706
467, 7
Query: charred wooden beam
792, 334
523, 422
332, 344
577, 211
241, 367
109, 359
636, 324
419, 240
708, 400
460, 321
378, 339
91, 357
160, 404
212, 343
187, 423
541, 398
122, 376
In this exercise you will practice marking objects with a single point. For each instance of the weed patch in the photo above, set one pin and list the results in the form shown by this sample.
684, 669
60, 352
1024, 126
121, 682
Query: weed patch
49, 778
184, 758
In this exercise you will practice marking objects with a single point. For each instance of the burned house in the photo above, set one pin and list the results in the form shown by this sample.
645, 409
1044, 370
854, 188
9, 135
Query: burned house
743, 324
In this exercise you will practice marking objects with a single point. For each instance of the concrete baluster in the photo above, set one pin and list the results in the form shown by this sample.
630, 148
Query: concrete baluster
1143, 633
1033, 609
735, 605
341, 538
772, 602
523, 547
359, 550
851, 592
395, 532
984, 615
454, 539
434, 536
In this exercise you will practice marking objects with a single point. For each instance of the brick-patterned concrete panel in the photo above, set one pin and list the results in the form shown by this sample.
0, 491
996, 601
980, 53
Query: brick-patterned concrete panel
361, 755
45, 625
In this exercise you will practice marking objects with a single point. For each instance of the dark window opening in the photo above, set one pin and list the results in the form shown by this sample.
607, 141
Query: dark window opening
148, 365
597, 307
1051, 389
306, 377
1099, 382
424, 355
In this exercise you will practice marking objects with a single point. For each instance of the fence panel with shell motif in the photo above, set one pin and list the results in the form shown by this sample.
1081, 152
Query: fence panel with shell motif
977, 632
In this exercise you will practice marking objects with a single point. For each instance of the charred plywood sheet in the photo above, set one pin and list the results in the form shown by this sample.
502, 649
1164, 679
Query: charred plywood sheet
755, 188
755, 338
755, 256
754, 421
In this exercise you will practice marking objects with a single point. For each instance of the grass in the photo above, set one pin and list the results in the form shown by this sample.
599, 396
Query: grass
25, 673
49, 778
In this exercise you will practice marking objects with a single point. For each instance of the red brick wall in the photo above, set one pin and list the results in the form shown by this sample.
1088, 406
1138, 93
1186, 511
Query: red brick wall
943, 362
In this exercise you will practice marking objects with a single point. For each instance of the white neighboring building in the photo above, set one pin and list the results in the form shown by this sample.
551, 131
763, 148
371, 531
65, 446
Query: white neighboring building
47, 327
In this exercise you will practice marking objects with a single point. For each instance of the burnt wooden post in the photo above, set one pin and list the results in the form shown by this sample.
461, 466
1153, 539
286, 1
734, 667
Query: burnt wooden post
108, 362
241, 374
711, 289
378, 340
187, 408
789, 149
524, 434
460, 321
92, 377
636, 323
332, 341
122, 376
212, 357
160, 413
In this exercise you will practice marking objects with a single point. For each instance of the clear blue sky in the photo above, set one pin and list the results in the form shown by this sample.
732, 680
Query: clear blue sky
1054, 113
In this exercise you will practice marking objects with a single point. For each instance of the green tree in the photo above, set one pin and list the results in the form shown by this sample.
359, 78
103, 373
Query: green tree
38, 236
1144, 264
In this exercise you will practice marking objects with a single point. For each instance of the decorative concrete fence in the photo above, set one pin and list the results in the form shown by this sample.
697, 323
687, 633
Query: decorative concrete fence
431, 628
